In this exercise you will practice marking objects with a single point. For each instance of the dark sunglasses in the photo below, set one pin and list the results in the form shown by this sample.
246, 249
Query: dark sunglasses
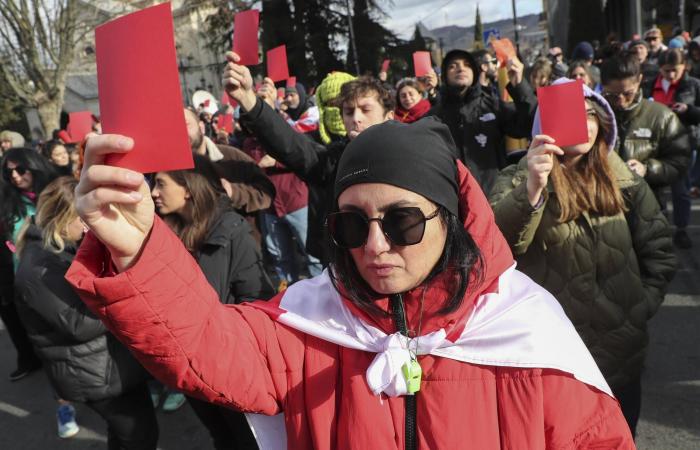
7, 172
402, 226
652, 38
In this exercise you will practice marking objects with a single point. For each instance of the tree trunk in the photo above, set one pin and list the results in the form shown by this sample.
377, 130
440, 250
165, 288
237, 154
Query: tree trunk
50, 113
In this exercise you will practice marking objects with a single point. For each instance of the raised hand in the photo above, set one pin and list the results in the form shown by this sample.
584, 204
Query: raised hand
238, 82
540, 160
515, 71
114, 203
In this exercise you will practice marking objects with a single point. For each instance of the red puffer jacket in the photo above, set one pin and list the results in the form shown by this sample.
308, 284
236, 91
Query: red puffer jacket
239, 356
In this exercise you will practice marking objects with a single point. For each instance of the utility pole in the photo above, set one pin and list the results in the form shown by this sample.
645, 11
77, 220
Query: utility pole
515, 27
352, 38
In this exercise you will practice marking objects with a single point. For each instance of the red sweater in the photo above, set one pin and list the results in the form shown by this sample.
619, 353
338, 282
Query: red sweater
239, 356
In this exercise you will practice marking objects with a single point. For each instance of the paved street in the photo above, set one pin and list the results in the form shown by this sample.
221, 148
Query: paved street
670, 415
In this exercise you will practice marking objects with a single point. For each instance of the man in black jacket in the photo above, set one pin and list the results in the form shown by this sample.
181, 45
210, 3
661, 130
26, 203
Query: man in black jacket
479, 121
364, 102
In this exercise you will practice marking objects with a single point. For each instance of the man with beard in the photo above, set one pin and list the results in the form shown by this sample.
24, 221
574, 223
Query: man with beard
247, 185
488, 72
479, 121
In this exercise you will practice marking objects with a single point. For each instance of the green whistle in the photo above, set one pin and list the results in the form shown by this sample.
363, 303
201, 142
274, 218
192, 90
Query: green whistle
412, 372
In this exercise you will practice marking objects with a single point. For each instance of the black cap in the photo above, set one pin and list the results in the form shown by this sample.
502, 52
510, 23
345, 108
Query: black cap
419, 157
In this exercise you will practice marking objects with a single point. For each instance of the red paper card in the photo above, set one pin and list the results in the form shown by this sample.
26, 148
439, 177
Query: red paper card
292, 82
140, 92
421, 63
504, 50
225, 122
385, 65
563, 113
79, 124
280, 93
226, 100
245, 36
277, 69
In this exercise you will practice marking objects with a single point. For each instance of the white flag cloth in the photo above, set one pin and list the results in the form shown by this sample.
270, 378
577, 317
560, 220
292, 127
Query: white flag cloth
519, 325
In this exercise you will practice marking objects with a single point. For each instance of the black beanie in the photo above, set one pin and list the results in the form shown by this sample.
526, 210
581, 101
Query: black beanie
419, 157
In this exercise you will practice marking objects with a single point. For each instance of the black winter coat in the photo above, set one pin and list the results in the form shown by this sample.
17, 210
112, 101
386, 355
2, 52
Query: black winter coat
479, 122
314, 163
83, 361
230, 260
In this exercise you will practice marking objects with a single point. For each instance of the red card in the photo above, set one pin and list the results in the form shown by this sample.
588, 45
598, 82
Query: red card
421, 63
225, 122
277, 69
563, 113
245, 36
385, 65
291, 82
227, 100
79, 124
280, 93
139, 90
504, 50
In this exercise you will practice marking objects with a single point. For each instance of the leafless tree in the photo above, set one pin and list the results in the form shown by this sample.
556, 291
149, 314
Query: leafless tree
38, 41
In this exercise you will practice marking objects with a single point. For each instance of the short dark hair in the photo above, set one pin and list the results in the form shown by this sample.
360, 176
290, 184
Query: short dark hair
672, 57
362, 87
460, 255
619, 67
48, 147
481, 55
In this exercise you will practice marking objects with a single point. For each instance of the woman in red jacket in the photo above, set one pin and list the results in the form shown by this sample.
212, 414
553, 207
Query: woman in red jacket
421, 336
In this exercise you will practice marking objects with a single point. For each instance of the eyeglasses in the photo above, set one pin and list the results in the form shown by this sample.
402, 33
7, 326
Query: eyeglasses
613, 96
402, 226
493, 61
7, 172
651, 38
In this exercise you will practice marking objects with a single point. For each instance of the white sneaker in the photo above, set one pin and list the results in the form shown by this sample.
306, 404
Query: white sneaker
67, 427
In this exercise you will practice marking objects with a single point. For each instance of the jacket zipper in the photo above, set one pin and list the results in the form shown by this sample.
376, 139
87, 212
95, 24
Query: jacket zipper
397, 310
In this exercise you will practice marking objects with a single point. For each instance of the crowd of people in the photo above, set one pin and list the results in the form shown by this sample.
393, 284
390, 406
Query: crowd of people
417, 331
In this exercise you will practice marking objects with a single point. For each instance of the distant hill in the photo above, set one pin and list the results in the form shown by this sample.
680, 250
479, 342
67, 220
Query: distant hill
454, 36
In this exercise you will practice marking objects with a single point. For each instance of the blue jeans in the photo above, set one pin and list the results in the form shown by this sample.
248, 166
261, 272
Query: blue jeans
280, 234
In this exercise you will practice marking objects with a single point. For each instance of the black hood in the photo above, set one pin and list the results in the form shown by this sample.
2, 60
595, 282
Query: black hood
303, 103
452, 54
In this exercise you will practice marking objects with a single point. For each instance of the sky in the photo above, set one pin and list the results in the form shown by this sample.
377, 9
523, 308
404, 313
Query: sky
403, 14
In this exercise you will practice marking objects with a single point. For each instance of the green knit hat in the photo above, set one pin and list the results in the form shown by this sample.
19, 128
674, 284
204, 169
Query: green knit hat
330, 117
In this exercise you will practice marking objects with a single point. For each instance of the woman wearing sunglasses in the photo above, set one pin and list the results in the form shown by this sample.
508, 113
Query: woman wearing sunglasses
421, 335
590, 231
25, 173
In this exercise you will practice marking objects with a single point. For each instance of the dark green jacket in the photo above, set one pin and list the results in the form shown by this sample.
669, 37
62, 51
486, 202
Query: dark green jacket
652, 134
609, 273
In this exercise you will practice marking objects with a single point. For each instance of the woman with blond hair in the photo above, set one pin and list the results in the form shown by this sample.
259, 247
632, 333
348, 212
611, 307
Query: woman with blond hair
82, 360
586, 228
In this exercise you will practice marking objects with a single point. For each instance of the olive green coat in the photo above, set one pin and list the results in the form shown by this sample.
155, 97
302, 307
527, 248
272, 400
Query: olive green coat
609, 273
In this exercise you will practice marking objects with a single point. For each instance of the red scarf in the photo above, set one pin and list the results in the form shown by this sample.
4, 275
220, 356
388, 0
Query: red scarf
411, 115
